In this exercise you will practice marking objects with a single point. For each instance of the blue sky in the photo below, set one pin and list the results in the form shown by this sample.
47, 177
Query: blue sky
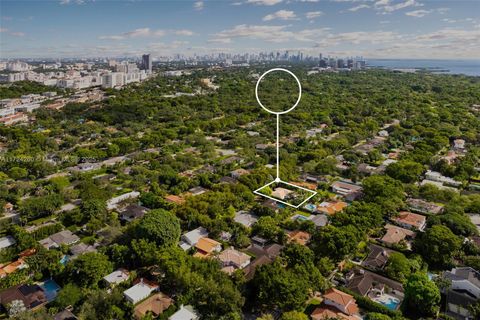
370, 28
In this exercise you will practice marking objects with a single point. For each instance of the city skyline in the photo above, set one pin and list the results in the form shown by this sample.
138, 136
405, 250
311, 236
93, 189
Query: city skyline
373, 29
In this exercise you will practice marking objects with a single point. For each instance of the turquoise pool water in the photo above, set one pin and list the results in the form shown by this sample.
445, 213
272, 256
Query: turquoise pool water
391, 303
64, 260
51, 289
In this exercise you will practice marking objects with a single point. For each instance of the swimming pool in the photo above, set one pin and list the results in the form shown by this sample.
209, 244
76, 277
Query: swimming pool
51, 289
64, 260
390, 303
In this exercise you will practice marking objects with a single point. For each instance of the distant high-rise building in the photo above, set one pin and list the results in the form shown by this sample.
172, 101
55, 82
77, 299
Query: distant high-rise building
147, 62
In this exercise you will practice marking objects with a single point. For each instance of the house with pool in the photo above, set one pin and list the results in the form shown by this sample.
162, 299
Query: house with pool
377, 288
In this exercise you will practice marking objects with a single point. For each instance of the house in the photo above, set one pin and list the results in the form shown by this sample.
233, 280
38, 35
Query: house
383, 133
113, 202
8, 207
259, 261
238, 173
32, 296
281, 193
185, 313
377, 257
6, 242
272, 204
12, 267
206, 247
263, 146
307, 185
298, 236
196, 191
411, 220
396, 235
347, 189
425, 207
463, 291
139, 291
326, 313
336, 305
81, 248
367, 169
232, 160
261, 246
116, 277
132, 212
191, 238
319, 220
228, 180
232, 259
244, 218
373, 285
437, 176
65, 237
154, 305
174, 199
459, 144
331, 207
65, 314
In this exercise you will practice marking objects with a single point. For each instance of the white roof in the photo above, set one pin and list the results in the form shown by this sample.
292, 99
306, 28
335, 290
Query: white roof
184, 313
6, 242
184, 245
193, 236
117, 276
138, 292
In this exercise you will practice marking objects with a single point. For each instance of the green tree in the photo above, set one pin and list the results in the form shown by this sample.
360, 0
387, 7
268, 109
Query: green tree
69, 295
274, 286
398, 267
159, 226
89, 268
438, 245
335, 242
385, 191
377, 316
460, 224
422, 296
406, 171
294, 315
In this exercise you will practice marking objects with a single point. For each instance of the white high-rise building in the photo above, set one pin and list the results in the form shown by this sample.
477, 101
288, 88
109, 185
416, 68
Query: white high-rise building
112, 80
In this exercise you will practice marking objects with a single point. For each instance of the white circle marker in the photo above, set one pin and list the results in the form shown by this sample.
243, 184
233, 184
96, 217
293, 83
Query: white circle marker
299, 91
277, 179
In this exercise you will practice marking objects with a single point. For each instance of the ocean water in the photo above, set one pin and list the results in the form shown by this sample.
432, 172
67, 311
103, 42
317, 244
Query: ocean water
466, 67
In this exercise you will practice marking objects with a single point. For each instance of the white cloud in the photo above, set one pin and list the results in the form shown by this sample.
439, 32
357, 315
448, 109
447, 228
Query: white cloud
418, 13
198, 5
65, 2
313, 14
280, 15
183, 32
275, 34
448, 20
146, 32
17, 34
137, 33
423, 13
264, 2
388, 6
12, 33
220, 40
361, 6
